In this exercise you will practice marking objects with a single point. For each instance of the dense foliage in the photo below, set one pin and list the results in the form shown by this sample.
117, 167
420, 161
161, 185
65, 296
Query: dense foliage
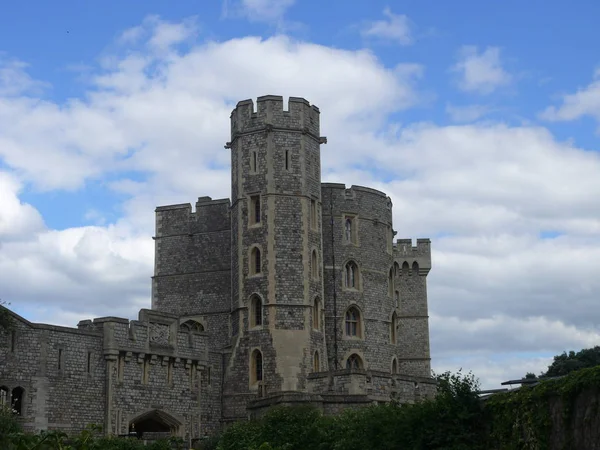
570, 362
453, 420
12, 438
529, 417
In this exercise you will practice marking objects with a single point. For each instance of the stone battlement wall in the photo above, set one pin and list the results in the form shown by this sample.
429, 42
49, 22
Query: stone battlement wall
300, 116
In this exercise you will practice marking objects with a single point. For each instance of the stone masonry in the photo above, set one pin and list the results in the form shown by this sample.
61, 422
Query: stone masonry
293, 291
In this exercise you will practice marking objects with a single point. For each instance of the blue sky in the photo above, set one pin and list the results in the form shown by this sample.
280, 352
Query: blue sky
479, 119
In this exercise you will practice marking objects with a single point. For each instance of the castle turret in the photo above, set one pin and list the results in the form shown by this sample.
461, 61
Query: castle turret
277, 290
361, 315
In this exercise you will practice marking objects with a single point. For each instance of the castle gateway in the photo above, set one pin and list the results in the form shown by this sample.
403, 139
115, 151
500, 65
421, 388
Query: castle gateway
293, 291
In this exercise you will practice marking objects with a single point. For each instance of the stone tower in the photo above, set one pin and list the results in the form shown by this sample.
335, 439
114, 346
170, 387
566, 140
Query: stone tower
277, 289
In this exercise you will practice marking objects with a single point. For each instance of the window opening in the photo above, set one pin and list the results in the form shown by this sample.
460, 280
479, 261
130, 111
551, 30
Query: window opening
3, 395
253, 161
353, 362
257, 368
314, 265
256, 311
348, 229
254, 209
393, 326
17, 400
352, 322
255, 261
351, 275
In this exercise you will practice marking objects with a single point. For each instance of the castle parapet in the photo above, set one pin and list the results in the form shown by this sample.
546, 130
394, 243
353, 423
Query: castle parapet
155, 333
404, 251
300, 116
210, 215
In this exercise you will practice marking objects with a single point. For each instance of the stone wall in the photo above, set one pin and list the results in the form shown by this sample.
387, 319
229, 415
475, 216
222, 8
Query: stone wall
411, 266
369, 246
61, 371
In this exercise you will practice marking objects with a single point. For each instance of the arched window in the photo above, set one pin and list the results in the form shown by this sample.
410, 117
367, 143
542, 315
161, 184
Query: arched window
353, 322
17, 399
354, 362
254, 216
348, 229
415, 268
256, 311
405, 268
255, 261
394, 366
314, 265
316, 314
4, 395
397, 299
351, 275
256, 366
393, 327
191, 325
391, 282
316, 365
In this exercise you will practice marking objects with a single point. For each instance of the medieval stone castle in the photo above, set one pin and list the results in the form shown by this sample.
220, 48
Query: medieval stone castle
293, 291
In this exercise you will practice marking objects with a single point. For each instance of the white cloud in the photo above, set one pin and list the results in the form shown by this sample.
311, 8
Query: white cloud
482, 192
468, 113
17, 220
257, 10
480, 72
395, 28
14, 79
584, 102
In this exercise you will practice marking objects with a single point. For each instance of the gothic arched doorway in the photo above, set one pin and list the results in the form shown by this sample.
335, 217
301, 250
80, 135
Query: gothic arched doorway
155, 424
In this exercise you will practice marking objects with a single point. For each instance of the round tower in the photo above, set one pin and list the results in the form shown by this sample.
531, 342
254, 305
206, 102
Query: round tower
277, 289
361, 312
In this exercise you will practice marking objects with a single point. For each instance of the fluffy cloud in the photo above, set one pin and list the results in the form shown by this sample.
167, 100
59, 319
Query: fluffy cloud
584, 102
480, 72
17, 220
489, 195
85, 270
395, 28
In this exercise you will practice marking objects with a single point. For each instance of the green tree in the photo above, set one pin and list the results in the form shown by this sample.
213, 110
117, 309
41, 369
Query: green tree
572, 361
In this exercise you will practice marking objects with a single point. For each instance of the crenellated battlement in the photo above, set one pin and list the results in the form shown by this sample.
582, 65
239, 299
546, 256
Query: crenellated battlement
270, 114
404, 251
210, 215
154, 333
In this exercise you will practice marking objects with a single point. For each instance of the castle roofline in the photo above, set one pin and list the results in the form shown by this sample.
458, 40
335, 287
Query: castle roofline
354, 188
170, 207
276, 98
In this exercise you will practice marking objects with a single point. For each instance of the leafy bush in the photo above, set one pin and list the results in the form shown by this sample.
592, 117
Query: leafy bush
453, 420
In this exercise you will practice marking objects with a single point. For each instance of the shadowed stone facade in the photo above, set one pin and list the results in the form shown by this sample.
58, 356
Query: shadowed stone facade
293, 291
